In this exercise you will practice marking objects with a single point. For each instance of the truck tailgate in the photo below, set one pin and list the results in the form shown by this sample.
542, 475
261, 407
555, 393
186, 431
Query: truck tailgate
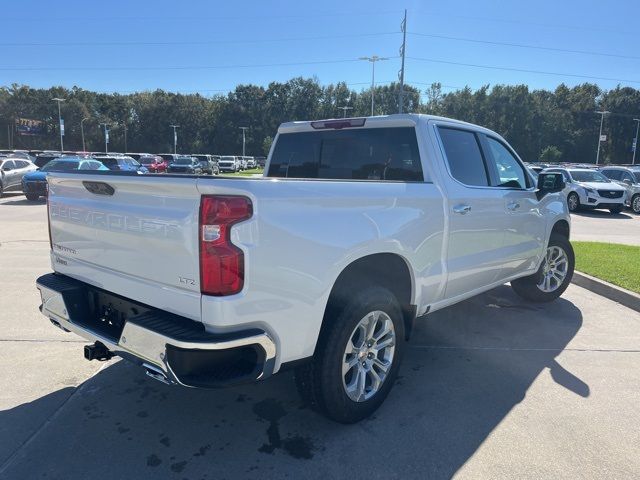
136, 236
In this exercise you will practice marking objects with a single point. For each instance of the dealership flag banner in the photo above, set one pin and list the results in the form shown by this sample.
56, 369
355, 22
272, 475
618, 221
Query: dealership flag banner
26, 126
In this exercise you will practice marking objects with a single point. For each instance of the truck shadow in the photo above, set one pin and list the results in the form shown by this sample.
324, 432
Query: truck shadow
465, 369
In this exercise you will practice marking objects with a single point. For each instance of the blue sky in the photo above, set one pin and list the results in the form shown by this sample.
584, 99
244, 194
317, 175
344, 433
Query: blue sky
83, 43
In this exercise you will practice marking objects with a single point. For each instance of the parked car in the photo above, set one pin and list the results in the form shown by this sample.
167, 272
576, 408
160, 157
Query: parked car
34, 184
12, 170
629, 179
251, 162
587, 188
154, 163
185, 164
122, 163
137, 156
260, 161
45, 157
327, 276
229, 163
208, 164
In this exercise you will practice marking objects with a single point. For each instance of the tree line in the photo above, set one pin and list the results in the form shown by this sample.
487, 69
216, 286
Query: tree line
558, 125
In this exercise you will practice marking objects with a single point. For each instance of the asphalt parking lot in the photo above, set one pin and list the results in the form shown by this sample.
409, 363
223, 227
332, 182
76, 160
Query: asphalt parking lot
490, 388
602, 226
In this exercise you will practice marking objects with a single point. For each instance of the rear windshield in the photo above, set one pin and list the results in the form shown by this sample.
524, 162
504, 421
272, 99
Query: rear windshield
362, 154
60, 166
182, 161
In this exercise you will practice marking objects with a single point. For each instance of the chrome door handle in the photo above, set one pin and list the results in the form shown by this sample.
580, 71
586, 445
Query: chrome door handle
462, 209
513, 206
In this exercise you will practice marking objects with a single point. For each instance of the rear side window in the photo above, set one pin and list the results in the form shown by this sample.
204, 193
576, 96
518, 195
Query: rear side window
464, 157
351, 154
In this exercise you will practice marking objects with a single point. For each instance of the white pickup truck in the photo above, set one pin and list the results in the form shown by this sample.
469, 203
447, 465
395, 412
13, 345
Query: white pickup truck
358, 227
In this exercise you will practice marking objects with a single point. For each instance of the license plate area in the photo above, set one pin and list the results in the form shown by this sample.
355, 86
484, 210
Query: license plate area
109, 313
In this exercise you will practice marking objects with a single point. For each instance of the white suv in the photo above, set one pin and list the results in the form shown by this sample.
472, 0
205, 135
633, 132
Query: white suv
588, 189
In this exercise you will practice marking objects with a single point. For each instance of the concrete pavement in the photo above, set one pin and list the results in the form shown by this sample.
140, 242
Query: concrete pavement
491, 388
602, 226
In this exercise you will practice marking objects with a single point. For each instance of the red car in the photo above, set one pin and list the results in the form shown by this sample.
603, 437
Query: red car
154, 163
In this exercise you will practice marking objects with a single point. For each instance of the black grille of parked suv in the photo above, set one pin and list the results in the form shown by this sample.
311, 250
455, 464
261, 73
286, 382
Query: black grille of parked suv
610, 193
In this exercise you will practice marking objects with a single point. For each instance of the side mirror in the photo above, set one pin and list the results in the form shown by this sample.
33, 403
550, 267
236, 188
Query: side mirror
549, 183
626, 181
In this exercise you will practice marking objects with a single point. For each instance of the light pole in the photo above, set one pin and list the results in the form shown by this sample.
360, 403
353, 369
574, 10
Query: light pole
175, 138
602, 113
60, 124
373, 61
344, 110
124, 125
84, 148
244, 139
635, 145
106, 137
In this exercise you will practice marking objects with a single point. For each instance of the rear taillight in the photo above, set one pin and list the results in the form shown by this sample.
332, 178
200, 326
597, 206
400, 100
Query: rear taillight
221, 262
49, 217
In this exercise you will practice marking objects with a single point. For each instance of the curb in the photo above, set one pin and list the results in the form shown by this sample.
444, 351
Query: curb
608, 290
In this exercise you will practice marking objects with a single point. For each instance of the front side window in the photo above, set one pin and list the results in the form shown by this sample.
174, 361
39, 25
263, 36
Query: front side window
350, 154
509, 171
464, 156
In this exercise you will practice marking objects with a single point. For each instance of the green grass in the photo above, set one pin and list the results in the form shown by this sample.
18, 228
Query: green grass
244, 173
613, 263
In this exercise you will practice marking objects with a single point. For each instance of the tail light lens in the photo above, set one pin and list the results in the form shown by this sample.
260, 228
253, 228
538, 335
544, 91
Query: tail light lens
49, 217
221, 262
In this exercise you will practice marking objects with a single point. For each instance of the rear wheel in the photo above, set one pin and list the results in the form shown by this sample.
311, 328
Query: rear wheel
616, 210
553, 276
32, 197
573, 202
635, 203
357, 358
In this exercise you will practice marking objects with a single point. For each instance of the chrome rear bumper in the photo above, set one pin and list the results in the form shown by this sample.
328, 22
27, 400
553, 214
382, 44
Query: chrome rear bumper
176, 348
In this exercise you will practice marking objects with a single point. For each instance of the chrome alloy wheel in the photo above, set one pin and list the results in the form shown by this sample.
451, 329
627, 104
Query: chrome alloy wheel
572, 202
635, 206
554, 269
368, 356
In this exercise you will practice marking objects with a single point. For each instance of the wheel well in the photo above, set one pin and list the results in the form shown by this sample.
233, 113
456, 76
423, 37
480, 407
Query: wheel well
386, 270
561, 227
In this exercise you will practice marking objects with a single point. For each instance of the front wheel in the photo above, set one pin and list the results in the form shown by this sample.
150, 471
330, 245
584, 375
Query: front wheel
553, 276
635, 203
573, 202
357, 358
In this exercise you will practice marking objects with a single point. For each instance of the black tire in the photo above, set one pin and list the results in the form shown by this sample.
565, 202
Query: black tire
321, 383
527, 287
616, 210
635, 203
1, 190
32, 197
573, 202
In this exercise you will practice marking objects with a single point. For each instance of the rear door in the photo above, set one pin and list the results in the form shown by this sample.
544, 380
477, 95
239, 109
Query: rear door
9, 174
133, 235
475, 210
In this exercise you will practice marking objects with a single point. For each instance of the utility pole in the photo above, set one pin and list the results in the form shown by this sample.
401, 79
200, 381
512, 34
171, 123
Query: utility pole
106, 137
403, 28
175, 138
124, 125
60, 122
635, 144
602, 113
84, 148
373, 59
244, 129
344, 110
